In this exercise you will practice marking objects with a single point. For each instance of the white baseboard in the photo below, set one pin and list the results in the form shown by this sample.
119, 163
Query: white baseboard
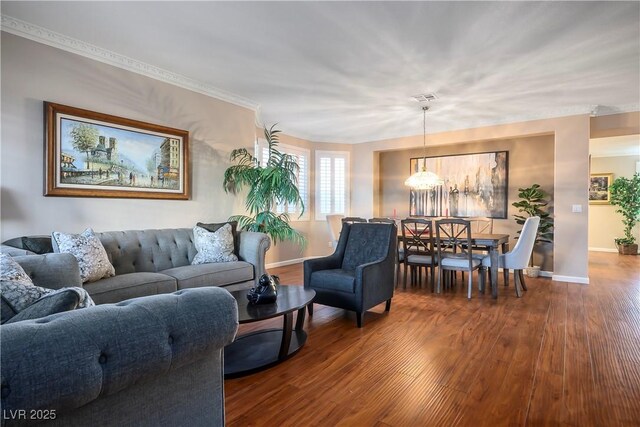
289, 262
571, 279
603, 250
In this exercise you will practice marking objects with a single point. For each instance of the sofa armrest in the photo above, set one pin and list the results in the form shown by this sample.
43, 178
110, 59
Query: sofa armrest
53, 271
253, 249
64, 361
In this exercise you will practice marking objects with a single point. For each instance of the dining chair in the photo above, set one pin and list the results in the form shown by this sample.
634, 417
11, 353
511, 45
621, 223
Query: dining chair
455, 251
334, 223
417, 240
518, 258
353, 219
482, 225
383, 220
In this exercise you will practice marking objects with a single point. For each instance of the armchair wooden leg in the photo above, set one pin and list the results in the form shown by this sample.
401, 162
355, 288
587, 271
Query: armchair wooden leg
404, 278
310, 309
387, 307
505, 275
359, 319
522, 282
432, 278
481, 279
469, 285
439, 284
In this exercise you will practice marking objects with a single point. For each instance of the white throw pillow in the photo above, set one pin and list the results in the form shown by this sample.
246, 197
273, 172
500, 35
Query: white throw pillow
216, 246
88, 250
19, 291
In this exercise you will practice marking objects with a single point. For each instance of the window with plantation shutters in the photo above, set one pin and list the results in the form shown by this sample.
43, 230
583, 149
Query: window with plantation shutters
332, 185
302, 158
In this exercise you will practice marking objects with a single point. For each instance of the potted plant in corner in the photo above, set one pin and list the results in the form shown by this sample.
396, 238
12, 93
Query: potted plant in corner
272, 183
625, 193
533, 203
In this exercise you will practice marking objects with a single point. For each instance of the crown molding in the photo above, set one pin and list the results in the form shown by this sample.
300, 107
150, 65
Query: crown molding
60, 41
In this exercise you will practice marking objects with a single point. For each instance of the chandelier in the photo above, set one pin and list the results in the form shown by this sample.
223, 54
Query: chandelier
424, 180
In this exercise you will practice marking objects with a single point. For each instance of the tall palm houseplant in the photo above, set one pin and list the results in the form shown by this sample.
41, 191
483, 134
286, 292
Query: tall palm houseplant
625, 193
272, 183
533, 203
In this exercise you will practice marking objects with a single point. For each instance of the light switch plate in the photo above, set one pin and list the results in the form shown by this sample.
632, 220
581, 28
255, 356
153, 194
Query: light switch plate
576, 208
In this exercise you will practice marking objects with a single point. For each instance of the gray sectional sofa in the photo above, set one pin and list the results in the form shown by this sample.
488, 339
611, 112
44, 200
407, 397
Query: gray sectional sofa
156, 359
149, 262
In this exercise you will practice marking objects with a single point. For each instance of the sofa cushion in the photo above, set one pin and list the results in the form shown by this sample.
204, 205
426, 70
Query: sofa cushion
213, 226
56, 302
218, 274
88, 250
136, 251
213, 246
132, 285
335, 280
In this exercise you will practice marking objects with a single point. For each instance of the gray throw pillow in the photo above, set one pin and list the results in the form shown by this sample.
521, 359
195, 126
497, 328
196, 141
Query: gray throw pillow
88, 250
215, 226
37, 244
56, 302
214, 246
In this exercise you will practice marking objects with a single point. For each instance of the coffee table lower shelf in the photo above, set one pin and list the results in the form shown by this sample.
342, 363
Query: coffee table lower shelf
258, 351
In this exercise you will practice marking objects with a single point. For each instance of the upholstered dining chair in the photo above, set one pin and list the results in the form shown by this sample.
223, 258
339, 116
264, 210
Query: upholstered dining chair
335, 224
455, 251
518, 258
359, 274
417, 240
353, 219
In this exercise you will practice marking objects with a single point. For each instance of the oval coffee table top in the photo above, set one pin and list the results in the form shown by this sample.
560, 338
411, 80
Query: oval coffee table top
290, 298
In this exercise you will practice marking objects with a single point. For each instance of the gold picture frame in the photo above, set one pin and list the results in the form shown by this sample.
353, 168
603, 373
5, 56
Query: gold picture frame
90, 154
599, 184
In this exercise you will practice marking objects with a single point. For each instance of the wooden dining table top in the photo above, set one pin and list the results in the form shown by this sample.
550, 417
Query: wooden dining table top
484, 239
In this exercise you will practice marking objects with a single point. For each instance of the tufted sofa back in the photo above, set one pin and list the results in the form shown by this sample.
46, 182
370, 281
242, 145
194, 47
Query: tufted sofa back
135, 251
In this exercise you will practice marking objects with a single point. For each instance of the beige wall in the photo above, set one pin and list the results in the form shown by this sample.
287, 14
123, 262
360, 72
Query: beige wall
604, 223
615, 125
33, 73
530, 161
571, 154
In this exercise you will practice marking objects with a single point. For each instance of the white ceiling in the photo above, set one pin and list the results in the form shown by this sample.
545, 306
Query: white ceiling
346, 71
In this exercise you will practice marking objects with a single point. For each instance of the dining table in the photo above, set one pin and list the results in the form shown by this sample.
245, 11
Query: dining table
492, 242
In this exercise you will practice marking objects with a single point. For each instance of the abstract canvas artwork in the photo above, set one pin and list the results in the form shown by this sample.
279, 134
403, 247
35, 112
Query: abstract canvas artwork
474, 185
95, 155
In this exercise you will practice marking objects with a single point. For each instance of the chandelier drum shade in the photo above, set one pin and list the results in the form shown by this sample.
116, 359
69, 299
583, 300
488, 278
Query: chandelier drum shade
423, 179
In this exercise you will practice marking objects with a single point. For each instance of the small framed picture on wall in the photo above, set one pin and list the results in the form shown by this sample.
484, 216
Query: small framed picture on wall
599, 188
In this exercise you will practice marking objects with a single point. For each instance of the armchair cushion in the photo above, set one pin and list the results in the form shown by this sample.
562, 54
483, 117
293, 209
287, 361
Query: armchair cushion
361, 249
335, 280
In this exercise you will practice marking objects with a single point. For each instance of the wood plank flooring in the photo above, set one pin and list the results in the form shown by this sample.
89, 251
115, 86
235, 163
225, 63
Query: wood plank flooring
563, 355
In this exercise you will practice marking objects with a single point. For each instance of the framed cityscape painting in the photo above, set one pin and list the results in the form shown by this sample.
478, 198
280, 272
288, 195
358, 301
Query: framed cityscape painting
475, 185
91, 154
599, 188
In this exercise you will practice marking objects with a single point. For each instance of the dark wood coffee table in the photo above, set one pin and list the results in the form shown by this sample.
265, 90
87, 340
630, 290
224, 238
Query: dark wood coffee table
262, 349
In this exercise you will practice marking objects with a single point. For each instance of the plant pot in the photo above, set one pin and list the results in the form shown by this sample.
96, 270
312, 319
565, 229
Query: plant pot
532, 271
628, 249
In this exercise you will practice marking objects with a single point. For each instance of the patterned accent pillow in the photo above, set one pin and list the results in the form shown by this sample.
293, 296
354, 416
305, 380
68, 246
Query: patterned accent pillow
88, 250
214, 246
19, 291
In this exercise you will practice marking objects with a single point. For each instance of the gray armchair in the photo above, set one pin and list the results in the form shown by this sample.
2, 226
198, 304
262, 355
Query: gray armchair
360, 273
